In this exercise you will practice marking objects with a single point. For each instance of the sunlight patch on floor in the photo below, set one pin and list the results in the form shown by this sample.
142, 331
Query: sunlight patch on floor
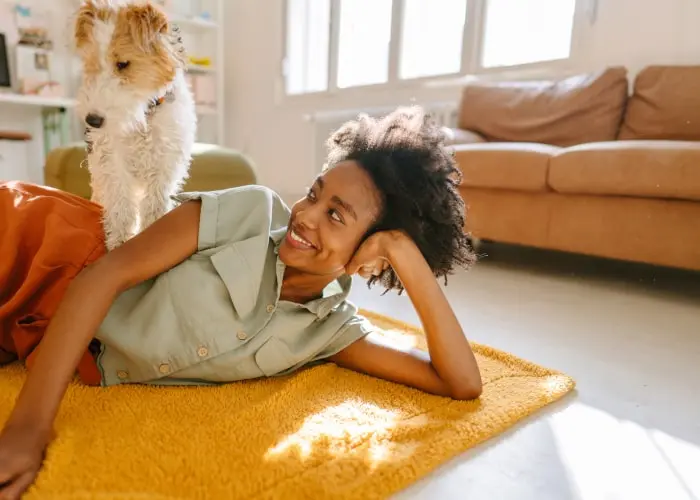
606, 457
338, 429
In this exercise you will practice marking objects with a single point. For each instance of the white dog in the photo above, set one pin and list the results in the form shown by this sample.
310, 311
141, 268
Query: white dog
139, 112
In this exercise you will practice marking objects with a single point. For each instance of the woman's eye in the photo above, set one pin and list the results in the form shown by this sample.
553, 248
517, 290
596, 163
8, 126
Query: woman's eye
311, 195
121, 65
335, 216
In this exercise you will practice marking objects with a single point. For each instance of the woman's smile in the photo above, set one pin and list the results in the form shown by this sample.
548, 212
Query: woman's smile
297, 241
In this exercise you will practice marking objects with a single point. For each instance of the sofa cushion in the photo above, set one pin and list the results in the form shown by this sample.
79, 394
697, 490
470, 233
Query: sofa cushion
516, 166
665, 105
579, 109
454, 136
652, 169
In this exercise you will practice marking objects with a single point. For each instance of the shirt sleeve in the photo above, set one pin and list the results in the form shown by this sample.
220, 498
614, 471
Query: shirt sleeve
353, 330
235, 214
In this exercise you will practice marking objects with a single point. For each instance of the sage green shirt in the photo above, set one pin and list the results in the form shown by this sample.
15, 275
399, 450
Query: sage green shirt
217, 317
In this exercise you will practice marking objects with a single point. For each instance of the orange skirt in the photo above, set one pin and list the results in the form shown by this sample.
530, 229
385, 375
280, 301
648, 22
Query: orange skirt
46, 238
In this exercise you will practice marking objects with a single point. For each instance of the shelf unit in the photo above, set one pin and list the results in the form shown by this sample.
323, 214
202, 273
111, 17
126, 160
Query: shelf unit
193, 23
203, 36
38, 101
195, 68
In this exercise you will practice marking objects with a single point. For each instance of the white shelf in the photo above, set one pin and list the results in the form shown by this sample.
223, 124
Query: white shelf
193, 23
196, 68
35, 100
206, 110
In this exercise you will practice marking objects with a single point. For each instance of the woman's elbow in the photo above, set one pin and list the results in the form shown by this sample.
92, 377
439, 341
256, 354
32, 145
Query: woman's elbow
467, 391
103, 275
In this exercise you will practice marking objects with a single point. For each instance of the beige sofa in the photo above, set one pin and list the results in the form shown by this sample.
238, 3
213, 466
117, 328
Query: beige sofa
580, 166
213, 168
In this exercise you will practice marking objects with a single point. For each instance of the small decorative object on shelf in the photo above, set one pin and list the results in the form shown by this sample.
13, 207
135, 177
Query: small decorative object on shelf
204, 90
32, 27
33, 54
204, 62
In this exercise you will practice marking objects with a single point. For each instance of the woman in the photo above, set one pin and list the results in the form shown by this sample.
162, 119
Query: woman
231, 285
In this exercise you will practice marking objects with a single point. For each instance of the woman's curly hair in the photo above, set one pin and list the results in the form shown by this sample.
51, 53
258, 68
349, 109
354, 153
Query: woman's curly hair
415, 174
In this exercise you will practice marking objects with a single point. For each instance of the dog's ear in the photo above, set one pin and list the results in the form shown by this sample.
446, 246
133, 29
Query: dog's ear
146, 23
84, 23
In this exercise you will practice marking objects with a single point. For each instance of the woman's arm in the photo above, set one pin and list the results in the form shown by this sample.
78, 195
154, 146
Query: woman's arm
27, 432
450, 369
164, 244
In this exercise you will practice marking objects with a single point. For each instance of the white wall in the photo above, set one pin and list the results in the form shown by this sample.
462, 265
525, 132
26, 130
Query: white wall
272, 129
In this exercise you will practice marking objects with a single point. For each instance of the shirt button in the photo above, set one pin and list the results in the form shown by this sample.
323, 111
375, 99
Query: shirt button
270, 308
202, 351
122, 375
242, 335
164, 368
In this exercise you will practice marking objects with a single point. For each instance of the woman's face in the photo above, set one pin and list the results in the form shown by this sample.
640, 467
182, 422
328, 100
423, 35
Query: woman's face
326, 226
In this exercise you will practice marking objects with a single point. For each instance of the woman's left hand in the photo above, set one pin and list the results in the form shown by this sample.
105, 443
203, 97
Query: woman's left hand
374, 255
450, 368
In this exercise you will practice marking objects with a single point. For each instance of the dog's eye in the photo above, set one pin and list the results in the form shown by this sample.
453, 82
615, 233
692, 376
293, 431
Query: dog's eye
122, 65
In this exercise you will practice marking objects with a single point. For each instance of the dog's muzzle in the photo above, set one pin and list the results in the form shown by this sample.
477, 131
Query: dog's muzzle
95, 121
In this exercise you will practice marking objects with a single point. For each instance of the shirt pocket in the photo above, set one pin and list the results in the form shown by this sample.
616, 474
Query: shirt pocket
240, 266
200, 300
274, 357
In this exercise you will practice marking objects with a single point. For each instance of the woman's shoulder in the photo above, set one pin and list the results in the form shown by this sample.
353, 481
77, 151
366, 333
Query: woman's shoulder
250, 193
237, 213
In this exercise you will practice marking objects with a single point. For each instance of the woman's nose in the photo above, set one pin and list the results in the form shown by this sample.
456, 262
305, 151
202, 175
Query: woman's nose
308, 217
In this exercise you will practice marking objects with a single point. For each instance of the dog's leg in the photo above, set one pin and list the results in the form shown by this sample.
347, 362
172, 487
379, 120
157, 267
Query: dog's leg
120, 210
160, 186
156, 203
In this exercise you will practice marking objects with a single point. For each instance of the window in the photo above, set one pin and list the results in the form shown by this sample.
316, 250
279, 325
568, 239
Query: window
432, 37
363, 44
308, 45
338, 44
522, 32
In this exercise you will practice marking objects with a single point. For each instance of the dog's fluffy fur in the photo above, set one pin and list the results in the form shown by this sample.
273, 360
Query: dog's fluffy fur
139, 156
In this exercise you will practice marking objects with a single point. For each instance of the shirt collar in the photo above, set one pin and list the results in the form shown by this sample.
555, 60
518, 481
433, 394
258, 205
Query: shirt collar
277, 235
333, 295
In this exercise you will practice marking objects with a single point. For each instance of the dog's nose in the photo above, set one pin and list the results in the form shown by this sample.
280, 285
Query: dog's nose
94, 120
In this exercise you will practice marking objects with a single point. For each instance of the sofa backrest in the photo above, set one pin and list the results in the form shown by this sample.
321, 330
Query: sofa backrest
665, 104
575, 110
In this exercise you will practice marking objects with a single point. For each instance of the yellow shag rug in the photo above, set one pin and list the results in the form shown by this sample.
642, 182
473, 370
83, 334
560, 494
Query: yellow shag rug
322, 433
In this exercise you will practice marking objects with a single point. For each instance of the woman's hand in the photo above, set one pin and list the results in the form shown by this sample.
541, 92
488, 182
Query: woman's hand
373, 256
164, 244
21, 455
450, 368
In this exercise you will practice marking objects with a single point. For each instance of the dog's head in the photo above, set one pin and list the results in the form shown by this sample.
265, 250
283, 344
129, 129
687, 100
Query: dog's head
130, 57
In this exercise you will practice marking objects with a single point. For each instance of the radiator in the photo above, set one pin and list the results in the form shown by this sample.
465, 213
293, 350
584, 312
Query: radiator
326, 122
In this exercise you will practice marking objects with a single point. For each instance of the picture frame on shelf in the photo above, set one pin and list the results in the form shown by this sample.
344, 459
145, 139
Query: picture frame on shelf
33, 69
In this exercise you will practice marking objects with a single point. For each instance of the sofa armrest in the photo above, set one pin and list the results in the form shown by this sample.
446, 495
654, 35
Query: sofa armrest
457, 136
213, 168
63, 169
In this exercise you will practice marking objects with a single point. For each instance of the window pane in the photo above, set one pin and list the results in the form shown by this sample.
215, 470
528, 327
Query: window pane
527, 31
431, 43
308, 37
363, 46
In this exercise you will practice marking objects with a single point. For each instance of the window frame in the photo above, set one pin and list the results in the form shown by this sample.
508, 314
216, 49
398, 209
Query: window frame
471, 60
